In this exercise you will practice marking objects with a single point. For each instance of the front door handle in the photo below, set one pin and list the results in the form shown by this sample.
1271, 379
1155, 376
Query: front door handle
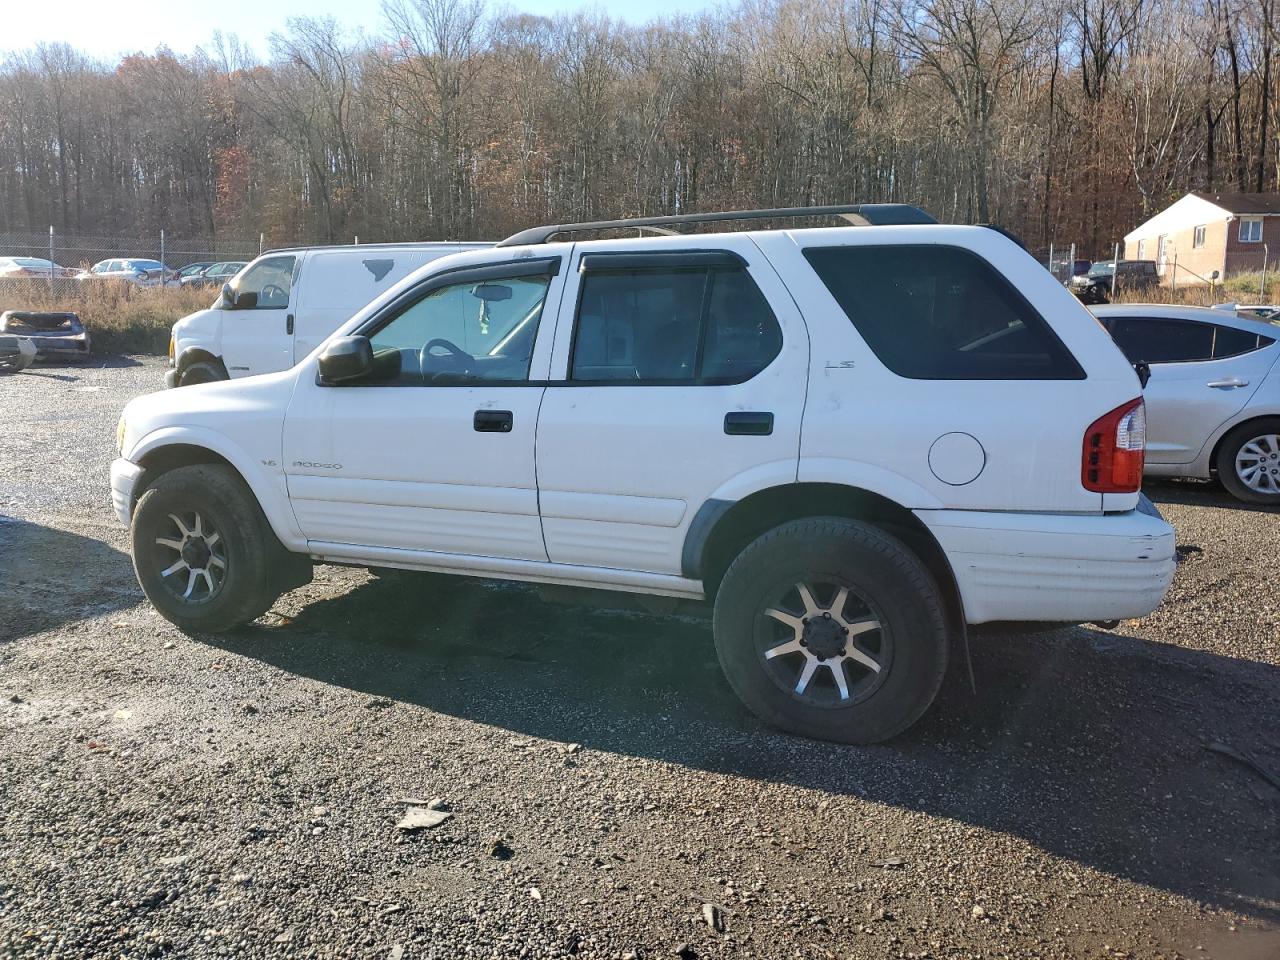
288, 324
748, 423
492, 421
1228, 384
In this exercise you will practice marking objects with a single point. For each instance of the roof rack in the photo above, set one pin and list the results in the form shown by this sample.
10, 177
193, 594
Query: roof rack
862, 214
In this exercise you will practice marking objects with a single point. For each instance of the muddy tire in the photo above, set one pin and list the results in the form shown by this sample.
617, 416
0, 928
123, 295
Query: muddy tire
202, 550
832, 629
203, 372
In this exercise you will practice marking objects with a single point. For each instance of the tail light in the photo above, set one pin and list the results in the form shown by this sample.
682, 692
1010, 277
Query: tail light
1114, 450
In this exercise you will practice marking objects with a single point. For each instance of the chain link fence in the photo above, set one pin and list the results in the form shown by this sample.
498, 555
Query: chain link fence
75, 253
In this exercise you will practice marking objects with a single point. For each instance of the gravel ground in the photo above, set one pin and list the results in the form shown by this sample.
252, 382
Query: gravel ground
239, 795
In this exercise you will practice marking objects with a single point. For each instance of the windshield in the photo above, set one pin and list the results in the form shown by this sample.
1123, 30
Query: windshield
1102, 269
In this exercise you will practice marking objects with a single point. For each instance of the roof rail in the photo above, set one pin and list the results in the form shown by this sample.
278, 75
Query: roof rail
874, 214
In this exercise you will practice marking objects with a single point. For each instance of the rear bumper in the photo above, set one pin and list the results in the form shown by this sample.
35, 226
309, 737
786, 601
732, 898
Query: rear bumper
1056, 567
124, 479
75, 347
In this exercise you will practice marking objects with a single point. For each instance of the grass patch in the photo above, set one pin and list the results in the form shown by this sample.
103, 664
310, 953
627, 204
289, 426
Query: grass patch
120, 317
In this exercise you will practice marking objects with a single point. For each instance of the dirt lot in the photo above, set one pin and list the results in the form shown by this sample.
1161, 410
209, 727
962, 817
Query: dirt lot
238, 795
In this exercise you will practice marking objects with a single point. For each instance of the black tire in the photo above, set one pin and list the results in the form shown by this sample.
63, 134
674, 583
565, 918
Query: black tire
204, 371
1231, 447
889, 584
246, 584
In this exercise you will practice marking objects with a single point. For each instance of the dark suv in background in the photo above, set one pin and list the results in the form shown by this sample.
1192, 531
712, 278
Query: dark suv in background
1095, 286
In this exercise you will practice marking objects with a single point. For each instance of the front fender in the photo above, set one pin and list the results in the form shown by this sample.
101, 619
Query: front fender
265, 480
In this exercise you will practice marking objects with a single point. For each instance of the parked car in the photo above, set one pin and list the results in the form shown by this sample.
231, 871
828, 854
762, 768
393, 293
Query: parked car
276, 310
192, 270
1251, 311
32, 268
852, 440
215, 274
1213, 399
55, 335
142, 273
1095, 286
16, 353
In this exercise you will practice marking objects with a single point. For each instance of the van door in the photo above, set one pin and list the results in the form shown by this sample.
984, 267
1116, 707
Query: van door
433, 451
257, 329
682, 373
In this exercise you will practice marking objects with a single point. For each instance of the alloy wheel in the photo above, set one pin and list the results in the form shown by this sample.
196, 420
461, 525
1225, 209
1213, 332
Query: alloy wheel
1258, 464
824, 644
191, 558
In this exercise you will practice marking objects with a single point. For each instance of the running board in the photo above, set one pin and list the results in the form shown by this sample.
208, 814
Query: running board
529, 571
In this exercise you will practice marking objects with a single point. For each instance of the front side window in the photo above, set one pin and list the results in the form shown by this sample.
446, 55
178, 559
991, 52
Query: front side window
466, 332
266, 284
1197, 238
941, 313
672, 325
1251, 230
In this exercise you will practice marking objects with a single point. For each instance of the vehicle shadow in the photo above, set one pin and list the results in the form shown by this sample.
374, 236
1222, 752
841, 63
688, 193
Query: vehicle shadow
96, 578
1087, 744
1198, 493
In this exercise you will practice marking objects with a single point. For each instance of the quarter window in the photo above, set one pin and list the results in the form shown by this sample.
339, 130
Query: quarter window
467, 332
705, 325
941, 313
1250, 229
1166, 340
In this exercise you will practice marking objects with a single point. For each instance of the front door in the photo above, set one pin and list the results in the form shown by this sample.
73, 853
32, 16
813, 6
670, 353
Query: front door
682, 373
1202, 374
257, 330
434, 450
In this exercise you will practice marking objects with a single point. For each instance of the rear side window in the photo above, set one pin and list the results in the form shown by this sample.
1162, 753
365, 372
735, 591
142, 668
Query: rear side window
671, 325
941, 313
1167, 340
1230, 342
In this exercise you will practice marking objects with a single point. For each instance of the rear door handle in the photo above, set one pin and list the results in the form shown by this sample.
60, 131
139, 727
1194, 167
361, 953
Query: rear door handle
288, 324
748, 424
492, 421
1227, 384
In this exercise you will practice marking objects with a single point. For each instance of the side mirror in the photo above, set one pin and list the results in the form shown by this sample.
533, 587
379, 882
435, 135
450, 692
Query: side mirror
346, 359
228, 297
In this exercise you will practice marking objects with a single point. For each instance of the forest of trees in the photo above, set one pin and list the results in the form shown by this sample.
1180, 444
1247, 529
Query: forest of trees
1063, 120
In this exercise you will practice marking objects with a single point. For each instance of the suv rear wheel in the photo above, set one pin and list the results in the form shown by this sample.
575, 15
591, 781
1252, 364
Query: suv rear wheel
202, 549
832, 628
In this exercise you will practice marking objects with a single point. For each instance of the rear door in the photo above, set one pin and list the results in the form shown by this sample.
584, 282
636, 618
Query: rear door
677, 376
1202, 374
257, 333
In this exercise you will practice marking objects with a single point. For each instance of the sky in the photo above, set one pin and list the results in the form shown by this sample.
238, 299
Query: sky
106, 30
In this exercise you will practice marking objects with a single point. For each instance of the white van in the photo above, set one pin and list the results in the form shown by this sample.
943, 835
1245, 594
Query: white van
283, 305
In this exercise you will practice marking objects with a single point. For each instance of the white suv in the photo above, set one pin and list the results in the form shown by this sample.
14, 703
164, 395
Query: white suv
855, 441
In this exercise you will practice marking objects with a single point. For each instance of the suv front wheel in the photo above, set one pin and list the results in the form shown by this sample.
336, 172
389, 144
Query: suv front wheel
833, 629
202, 549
